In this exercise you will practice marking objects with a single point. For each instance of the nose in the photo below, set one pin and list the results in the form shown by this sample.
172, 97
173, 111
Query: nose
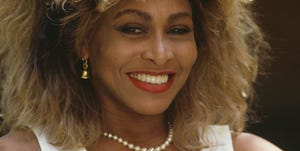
159, 51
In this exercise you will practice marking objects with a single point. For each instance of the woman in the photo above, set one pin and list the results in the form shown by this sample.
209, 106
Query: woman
128, 75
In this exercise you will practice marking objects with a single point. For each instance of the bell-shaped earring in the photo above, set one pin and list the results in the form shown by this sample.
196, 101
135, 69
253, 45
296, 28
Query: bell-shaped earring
85, 72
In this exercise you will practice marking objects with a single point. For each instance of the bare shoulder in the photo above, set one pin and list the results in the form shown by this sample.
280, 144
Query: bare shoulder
250, 142
19, 141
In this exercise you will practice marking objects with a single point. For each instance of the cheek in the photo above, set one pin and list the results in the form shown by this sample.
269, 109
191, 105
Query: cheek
187, 55
103, 50
112, 56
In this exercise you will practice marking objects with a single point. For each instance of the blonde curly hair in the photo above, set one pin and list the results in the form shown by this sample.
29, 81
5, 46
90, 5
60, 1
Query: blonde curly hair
41, 86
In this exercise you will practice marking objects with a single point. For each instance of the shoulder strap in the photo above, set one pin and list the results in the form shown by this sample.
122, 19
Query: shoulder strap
219, 138
44, 145
42, 139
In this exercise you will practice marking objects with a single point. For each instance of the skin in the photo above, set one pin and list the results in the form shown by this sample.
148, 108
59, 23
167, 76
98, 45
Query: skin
19, 141
157, 36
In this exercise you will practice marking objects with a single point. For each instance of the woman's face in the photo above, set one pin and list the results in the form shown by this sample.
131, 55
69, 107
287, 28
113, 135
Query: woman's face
141, 54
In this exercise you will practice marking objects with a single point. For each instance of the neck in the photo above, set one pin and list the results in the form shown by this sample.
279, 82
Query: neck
144, 130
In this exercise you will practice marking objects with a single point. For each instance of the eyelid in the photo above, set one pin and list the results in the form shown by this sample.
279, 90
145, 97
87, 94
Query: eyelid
184, 28
132, 29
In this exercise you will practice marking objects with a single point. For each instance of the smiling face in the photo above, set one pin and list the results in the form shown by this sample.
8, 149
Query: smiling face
141, 54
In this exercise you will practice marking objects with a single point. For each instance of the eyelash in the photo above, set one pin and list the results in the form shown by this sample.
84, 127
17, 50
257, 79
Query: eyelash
137, 30
132, 29
179, 30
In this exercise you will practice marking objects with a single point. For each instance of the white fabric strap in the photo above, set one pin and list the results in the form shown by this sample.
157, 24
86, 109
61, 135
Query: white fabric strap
219, 137
45, 145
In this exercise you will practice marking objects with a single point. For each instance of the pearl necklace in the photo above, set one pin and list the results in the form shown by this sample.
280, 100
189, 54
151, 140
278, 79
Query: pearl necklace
138, 148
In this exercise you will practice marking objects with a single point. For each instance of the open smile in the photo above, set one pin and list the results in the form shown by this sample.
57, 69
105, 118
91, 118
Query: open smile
152, 82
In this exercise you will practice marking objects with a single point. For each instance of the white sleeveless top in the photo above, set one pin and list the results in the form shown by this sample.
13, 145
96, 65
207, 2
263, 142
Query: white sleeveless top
219, 137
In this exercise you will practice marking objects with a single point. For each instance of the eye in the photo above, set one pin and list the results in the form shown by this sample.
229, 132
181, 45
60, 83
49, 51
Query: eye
132, 29
179, 30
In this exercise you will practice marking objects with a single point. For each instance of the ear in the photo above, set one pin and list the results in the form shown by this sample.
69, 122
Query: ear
83, 51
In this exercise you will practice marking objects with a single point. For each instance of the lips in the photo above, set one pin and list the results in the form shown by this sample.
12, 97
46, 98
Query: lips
151, 81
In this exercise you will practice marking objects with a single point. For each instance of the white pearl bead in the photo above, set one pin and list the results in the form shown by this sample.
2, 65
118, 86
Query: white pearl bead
125, 143
137, 148
167, 144
151, 149
163, 146
144, 149
130, 146
157, 149
120, 140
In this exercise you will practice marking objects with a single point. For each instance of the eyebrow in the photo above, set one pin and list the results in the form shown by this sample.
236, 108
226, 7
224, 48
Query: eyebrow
142, 14
147, 17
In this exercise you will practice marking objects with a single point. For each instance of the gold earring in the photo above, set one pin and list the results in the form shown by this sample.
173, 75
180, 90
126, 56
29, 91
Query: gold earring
85, 73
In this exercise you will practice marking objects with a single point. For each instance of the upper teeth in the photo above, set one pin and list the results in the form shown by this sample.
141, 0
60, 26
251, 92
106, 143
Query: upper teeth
153, 79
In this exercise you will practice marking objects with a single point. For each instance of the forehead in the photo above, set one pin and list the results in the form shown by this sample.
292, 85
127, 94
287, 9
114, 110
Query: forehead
162, 6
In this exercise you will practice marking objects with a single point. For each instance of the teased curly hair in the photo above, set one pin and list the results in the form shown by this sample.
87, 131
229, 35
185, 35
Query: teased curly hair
41, 87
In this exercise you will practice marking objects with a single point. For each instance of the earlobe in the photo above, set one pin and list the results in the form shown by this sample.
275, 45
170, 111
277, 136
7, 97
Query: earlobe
83, 51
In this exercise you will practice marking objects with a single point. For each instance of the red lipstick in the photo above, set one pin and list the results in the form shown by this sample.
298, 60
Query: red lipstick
153, 88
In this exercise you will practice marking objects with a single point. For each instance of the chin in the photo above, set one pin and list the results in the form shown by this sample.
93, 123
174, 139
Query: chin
151, 108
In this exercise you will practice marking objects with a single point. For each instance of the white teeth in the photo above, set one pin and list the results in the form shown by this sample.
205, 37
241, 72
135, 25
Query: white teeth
153, 79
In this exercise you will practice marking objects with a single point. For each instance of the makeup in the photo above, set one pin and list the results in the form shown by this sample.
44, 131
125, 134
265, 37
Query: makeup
153, 82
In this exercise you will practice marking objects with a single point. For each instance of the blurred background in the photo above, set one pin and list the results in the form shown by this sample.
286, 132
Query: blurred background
279, 92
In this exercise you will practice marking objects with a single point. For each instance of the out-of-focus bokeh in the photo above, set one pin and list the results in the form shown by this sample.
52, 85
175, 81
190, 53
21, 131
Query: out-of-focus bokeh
279, 93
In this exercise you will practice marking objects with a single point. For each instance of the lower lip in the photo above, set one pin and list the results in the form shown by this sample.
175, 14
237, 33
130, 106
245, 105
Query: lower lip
152, 88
